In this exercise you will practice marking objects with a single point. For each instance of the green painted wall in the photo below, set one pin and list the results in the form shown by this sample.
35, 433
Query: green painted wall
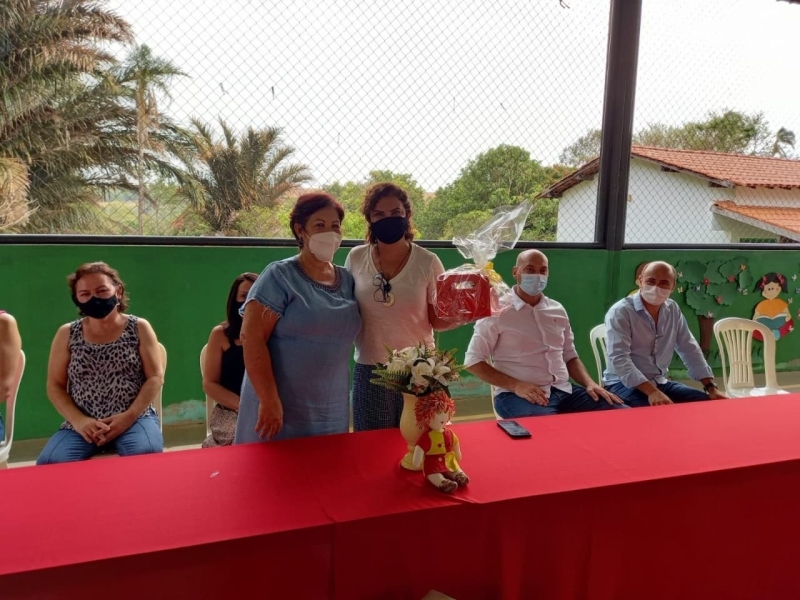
786, 262
182, 292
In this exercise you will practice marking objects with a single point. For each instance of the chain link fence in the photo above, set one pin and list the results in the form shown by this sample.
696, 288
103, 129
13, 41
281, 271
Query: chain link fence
197, 117
714, 159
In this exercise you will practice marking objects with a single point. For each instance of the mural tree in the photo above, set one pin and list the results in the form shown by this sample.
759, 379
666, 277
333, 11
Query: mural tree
708, 286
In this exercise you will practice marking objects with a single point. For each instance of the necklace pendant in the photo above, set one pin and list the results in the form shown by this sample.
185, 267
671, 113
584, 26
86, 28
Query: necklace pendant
389, 300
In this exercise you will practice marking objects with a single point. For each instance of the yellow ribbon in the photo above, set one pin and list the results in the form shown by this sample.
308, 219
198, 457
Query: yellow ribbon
494, 277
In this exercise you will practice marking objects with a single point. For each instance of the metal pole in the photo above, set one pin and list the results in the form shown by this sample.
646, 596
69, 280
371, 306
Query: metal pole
615, 156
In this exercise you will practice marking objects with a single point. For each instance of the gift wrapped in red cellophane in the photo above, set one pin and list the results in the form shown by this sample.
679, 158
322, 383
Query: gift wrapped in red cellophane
475, 291
465, 296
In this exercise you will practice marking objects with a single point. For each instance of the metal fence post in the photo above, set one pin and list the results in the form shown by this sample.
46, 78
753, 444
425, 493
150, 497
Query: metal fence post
617, 131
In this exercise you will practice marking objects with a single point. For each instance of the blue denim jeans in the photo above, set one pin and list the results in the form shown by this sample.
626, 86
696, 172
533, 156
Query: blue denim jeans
143, 437
509, 406
677, 392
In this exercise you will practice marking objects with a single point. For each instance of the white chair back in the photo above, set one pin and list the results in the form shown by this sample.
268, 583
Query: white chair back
494, 409
158, 403
209, 402
11, 405
597, 336
735, 341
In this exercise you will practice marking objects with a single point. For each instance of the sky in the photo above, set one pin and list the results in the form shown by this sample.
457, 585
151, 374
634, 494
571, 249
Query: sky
422, 87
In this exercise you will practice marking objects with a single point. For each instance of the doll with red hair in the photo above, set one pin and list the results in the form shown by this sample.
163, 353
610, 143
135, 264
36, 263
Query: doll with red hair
437, 449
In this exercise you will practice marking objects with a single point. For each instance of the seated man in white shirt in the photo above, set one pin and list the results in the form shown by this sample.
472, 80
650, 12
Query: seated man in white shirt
527, 352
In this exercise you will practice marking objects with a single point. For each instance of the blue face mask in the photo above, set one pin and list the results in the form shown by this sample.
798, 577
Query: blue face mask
533, 284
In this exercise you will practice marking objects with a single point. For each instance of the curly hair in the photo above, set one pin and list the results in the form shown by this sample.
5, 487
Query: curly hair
103, 269
378, 192
432, 404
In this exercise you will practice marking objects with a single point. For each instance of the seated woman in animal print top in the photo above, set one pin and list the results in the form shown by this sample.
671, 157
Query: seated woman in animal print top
105, 371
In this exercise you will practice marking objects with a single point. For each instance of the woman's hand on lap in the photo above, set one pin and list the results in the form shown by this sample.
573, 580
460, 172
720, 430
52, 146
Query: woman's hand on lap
117, 425
90, 429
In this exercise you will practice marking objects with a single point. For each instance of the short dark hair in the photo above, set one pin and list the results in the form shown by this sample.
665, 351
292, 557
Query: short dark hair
233, 325
379, 191
307, 205
103, 269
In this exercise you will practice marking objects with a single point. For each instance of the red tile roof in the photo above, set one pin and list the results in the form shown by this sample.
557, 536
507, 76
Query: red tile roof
738, 169
727, 170
777, 217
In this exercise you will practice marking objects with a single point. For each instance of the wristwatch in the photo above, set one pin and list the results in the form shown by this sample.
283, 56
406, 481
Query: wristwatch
709, 385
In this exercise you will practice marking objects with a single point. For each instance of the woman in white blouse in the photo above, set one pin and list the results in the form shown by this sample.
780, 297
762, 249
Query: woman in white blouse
395, 288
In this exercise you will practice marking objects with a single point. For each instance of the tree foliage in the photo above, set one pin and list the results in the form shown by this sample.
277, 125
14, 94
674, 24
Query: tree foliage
228, 175
63, 114
728, 131
502, 176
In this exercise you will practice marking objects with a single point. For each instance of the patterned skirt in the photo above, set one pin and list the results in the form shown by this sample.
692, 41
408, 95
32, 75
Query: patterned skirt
223, 427
374, 407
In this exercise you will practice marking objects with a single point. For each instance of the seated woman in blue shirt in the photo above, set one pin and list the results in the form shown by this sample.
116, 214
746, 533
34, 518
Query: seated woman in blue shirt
300, 320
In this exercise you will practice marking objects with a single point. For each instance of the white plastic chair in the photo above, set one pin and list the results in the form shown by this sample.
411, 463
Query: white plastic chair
597, 336
158, 406
735, 341
158, 403
494, 409
11, 404
209, 402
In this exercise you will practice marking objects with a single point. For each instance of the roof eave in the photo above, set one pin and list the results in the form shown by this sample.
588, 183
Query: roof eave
757, 223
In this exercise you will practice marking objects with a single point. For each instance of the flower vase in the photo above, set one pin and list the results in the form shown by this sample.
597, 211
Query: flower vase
409, 430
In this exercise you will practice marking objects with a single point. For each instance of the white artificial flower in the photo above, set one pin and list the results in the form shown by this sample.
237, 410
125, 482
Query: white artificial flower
440, 373
419, 371
398, 365
409, 355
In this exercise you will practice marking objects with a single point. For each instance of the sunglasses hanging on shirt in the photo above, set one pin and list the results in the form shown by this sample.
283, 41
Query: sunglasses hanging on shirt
383, 291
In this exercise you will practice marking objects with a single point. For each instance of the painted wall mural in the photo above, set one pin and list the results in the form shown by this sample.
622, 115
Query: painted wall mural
708, 286
773, 311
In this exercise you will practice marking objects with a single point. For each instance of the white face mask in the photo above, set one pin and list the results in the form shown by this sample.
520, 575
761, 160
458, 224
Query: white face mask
324, 245
655, 295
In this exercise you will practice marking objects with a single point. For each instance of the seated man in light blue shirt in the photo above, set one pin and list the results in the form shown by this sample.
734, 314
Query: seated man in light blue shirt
642, 333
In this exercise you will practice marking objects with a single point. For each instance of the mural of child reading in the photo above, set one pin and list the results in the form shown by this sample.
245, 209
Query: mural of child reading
773, 311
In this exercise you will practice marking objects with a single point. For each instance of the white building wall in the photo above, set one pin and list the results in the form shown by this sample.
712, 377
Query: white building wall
663, 208
577, 213
672, 208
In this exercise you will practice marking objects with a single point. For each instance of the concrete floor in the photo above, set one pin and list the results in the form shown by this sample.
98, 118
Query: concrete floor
191, 435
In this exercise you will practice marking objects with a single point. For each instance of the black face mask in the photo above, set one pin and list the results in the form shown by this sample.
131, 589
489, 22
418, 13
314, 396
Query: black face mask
390, 229
98, 308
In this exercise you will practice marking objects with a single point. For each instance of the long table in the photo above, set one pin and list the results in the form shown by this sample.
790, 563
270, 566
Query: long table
690, 501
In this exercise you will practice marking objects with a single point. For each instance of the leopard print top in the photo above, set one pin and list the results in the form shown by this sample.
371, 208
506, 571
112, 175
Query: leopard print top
104, 379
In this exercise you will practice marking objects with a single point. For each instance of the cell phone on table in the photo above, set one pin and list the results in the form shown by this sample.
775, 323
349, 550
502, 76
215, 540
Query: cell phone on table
514, 429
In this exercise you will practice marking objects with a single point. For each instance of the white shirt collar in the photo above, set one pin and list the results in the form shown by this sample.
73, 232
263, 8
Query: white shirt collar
518, 303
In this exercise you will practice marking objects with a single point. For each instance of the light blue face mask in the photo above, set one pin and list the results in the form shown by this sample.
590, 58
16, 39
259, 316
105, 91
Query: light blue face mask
533, 284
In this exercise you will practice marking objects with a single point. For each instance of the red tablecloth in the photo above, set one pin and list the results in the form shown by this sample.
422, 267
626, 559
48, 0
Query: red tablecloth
692, 501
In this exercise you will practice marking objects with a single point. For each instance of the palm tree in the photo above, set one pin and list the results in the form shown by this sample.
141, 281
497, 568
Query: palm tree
783, 138
48, 46
145, 76
14, 209
64, 114
230, 175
